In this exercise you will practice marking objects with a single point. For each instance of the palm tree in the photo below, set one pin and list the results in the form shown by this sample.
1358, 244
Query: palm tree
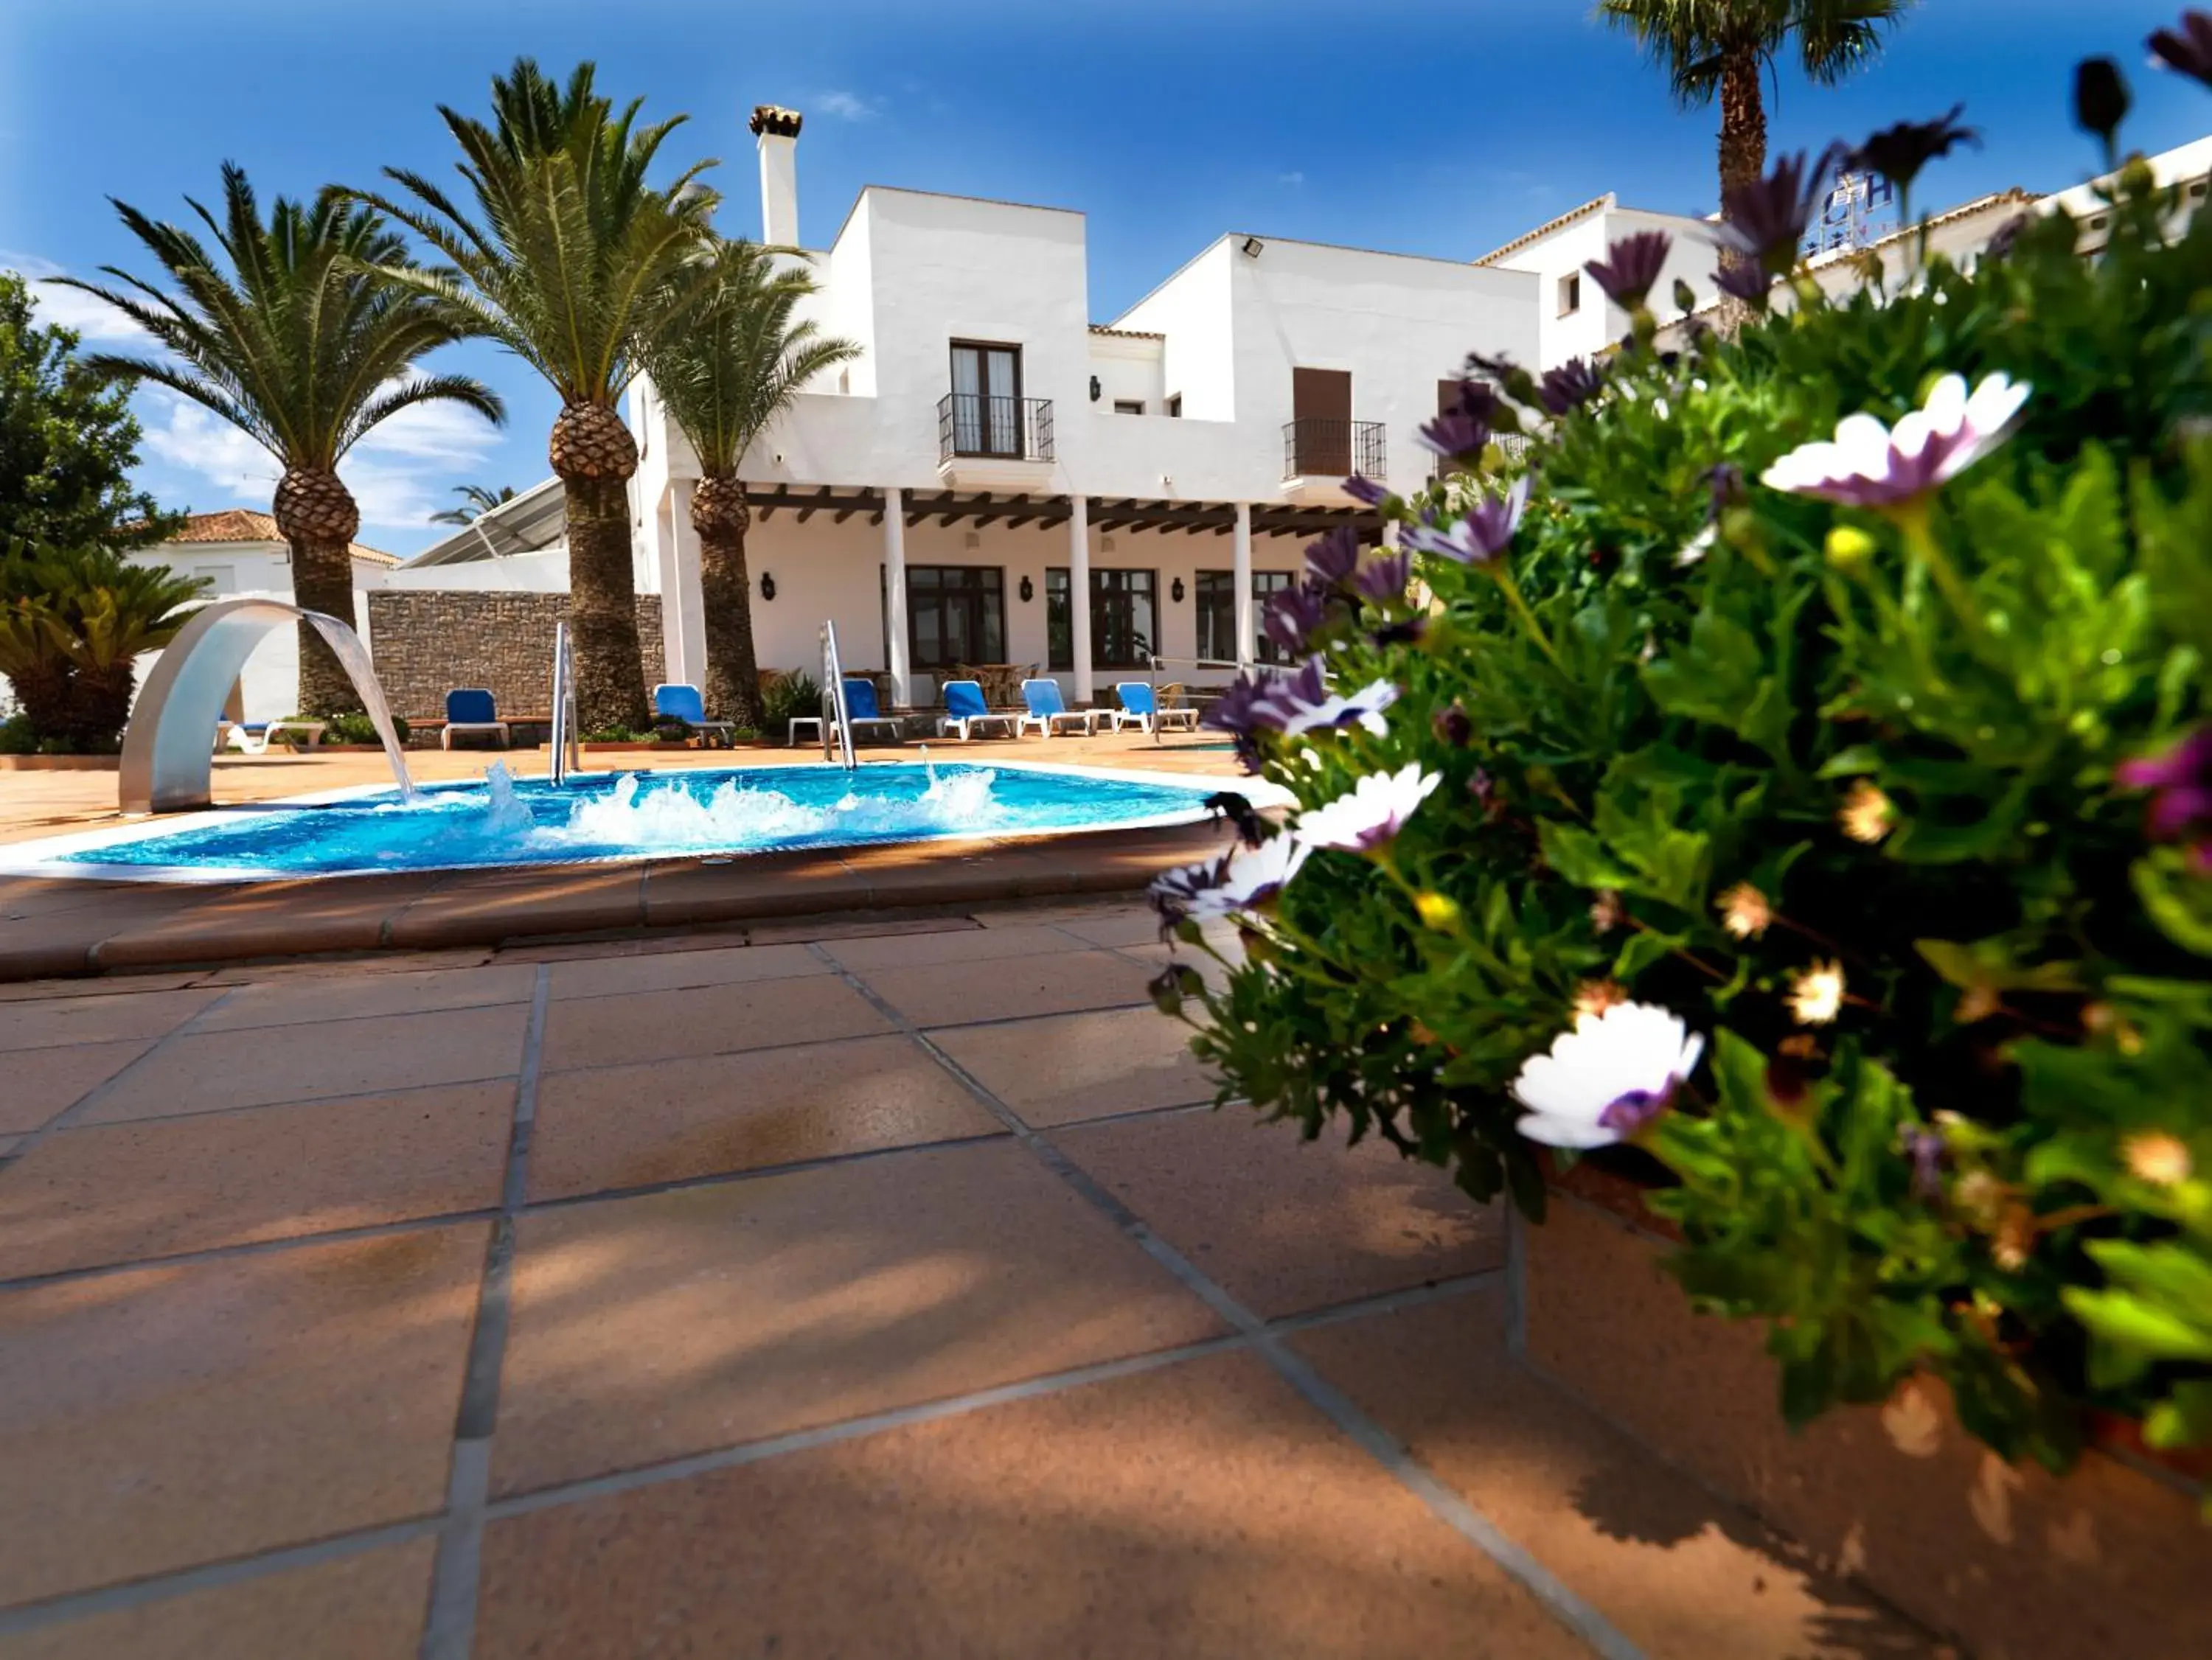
476, 502
304, 345
1709, 47
74, 622
725, 375
570, 261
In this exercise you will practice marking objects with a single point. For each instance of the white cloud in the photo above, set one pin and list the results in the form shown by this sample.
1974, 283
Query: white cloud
1291, 178
847, 105
95, 321
400, 473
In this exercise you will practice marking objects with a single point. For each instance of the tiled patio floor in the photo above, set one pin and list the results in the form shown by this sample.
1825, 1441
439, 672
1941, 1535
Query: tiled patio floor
887, 1294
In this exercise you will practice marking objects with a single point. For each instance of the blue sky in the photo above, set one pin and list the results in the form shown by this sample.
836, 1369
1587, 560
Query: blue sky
1439, 128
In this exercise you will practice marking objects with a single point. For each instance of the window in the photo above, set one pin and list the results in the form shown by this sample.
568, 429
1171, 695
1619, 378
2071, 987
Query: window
1217, 612
955, 614
1124, 618
987, 399
1128, 406
1571, 293
1174, 405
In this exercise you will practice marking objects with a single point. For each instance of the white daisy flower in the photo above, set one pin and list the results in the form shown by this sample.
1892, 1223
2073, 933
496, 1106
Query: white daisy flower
1375, 810
1868, 464
1606, 1079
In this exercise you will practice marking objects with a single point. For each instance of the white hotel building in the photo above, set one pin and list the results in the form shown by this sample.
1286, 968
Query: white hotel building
1000, 479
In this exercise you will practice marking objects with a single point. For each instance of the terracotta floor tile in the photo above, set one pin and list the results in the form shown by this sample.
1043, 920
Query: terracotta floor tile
480, 909
1283, 1225
299, 1000
98, 1020
674, 971
629, 1126
174, 1416
101, 986
368, 1607
1122, 925
974, 945
1009, 988
709, 1019
1070, 1067
1199, 1511
43, 1081
118, 1192
650, 1327
205, 1072
270, 920
1681, 1574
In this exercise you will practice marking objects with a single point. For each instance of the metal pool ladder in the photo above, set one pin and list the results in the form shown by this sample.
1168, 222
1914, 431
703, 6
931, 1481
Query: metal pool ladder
835, 718
567, 750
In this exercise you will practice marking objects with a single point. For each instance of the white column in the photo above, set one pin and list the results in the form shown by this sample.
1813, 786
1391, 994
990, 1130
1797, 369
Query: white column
1078, 593
895, 593
1248, 635
683, 601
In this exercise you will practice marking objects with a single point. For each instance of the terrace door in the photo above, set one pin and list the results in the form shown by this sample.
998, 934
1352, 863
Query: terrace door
1320, 404
987, 400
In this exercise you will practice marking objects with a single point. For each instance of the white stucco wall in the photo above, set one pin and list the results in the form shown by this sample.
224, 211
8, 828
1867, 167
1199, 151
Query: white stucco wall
1598, 323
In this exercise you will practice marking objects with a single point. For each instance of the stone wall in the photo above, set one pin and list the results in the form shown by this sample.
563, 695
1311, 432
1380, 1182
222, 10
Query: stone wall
428, 641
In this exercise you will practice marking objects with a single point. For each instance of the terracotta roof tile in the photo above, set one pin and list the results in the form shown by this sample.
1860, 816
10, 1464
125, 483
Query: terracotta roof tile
244, 525
1595, 204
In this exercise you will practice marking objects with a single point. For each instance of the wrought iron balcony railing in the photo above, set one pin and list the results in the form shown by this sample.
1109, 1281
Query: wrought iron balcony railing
979, 424
1314, 448
1511, 446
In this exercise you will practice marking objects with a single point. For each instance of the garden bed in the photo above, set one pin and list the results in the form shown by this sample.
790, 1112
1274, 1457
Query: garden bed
59, 763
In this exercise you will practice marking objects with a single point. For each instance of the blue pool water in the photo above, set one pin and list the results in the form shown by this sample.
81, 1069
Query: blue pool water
504, 821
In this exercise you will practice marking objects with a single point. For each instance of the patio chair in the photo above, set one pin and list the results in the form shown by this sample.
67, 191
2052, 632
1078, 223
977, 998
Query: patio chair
679, 700
473, 709
1047, 711
861, 704
965, 710
1142, 709
254, 737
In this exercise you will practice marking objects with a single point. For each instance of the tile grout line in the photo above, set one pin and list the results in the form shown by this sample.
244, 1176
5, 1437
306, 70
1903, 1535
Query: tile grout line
159, 1587
100, 1092
449, 1625
1447, 1506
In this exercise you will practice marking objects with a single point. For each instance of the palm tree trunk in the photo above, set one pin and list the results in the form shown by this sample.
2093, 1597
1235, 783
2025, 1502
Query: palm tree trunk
594, 454
44, 689
720, 516
316, 515
99, 703
1743, 151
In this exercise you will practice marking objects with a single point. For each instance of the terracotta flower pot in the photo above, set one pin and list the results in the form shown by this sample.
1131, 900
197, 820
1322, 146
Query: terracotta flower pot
2012, 1563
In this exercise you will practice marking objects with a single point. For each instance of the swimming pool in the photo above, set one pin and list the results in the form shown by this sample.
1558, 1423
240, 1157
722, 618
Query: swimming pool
501, 820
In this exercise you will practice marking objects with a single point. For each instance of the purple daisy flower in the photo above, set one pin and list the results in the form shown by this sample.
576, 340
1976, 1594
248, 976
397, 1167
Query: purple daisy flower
2186, 50
2181, 804
1570, 386
1868, 464
1383, 578
1745, 281
1630, 267
1764, 220
1482, 534
1366, 490
1898, 153
1333, 558
1292, 617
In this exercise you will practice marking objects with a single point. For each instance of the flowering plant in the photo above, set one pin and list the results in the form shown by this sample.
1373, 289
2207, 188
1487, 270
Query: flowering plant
1790, 779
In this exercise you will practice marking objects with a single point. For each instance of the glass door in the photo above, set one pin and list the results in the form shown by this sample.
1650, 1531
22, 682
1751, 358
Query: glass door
987, 400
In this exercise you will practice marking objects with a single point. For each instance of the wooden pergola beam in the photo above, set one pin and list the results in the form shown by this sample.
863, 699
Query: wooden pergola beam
821, 501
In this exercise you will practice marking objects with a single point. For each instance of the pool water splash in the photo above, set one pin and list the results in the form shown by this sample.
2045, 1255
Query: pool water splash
506, 820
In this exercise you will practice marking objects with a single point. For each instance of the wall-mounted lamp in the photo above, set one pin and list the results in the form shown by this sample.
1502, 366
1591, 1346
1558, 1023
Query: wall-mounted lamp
1095, 388
1174, 592
767, 586
1029, 591
1252, 245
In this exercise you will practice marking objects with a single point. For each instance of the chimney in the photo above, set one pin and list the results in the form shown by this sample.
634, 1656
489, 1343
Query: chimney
778, 131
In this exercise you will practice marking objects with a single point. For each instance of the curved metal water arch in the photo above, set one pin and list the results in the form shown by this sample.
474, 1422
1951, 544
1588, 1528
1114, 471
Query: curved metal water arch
168, 748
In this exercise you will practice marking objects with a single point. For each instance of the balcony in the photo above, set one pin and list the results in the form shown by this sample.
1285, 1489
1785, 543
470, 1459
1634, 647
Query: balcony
986, 440
1319, 454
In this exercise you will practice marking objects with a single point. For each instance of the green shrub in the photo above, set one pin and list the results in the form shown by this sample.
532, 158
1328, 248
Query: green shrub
355, 727
17, 737
1852, 799
789, 697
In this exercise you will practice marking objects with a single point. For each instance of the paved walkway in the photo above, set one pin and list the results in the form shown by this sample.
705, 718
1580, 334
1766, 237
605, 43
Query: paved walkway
844, 1292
